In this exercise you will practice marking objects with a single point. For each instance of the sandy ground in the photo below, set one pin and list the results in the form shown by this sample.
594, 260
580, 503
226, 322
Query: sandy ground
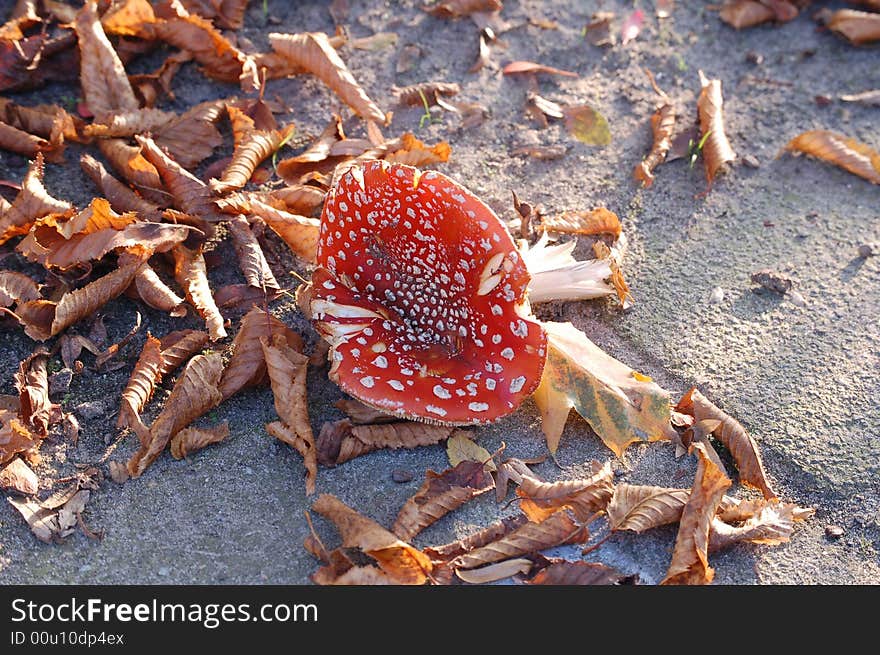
803, 379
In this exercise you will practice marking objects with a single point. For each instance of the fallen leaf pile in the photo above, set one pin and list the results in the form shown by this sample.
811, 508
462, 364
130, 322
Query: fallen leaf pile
165, 208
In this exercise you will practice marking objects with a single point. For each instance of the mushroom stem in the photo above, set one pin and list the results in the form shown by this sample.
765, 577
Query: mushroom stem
557, 275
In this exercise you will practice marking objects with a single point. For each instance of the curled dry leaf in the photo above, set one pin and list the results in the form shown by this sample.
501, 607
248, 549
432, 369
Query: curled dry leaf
45, 318
495, 572
358, 575
642, 507
247, 363
561, 527
519, 67
404, 563
771, 525
297, 199
491, 533
17, 287
48, 121
31, 203
690, 560
130, 163
459, 8
250, 255
191, 440
425, 93
564, 572
440, 494
191, 137
18, 476
589, 223
585, 497
858, 27
300, 233
341, 441
242, 297
15, 437
852, 155
313, 52
287, 370
194, 393
24, 143
733, 435
153, 291
192, 275
106, 88
32, 384
415, 153
228, 14
662, 127
361, 414
250, 151
748, 13
716, 148
865, 97
621, 405
121, 197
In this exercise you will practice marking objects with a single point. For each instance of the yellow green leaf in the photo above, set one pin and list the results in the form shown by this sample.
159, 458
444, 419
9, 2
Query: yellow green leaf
587, 125
460, 448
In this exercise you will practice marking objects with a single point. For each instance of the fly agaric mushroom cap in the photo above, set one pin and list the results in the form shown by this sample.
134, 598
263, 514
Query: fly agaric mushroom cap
421, 293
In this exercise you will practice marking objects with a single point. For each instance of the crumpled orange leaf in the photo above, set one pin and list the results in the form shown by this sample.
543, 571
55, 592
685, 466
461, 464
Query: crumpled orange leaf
17, 287
92, 233
585, 496
620, 405
662, 127
45, 318
415, 153
48, 121
733, 435
287, 370
121, 197
106, 88
192, 275
858, 27
194, 393
487, 535
191, 137
300, 233
191, 440
589, 223
852, 155
690, 560
340, 441
32, 384
517, 67
300, 199
130, 163
404, 563
15, 437
128, 123
440, 494
228, 14
247, 364
566, 573
560, 527
747, 13
24, 143
716, 148
361, 414
190, 194
313, 52
18, 476
642, 507
459, 8
153, 291
31, 203
772, 525
251, 259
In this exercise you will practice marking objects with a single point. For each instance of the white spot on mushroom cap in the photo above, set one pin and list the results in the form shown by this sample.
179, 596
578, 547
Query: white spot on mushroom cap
517, 383
478, 407
368, 381
436, 410
442, 392
396, 384
507, 353
381, 361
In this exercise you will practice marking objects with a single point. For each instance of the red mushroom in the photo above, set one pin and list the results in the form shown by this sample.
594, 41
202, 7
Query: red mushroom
422, 295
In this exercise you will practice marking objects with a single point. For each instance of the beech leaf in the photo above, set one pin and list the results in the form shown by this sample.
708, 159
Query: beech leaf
191, 274
190, 440
642, 507
716, 148
340, 441
847, 153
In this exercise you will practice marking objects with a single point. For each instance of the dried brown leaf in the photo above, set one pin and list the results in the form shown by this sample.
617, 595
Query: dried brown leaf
191, 440
128, 123
361, 414
247, 363
32, 384
425, 92
404, 563
459, 8
858, 27
642, 507
716, 148
559, 528
228, 14
746, 13
416, 153
460, 448
541, 153
153, 291
852, 155
865, 97
517, 67
313, 52
690, 562
106, 88
121, 197
242, 297
440, 494
585, 496
733, 435
130, 163
192, 137
296, 199
771, 525
42, 522
594, 222
24, 143
563, 572
192, 275
300, 233
18, 476
46, 318
194, 393
17, 287
662, 127
15, 437
495, 572
251, 259
491, 533
147, 373
250, 152
341, 441
31, 203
